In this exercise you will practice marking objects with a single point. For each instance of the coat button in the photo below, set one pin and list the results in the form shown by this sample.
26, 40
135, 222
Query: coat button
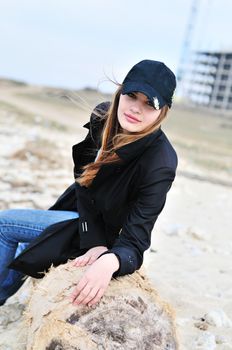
93, 201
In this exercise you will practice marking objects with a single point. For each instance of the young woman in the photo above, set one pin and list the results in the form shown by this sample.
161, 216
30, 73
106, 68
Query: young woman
123, 170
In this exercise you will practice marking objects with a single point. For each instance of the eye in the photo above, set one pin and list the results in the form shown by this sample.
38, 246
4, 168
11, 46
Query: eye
131, 94
150, 104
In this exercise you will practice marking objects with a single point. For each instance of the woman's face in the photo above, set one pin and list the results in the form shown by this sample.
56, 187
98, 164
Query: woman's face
135, 112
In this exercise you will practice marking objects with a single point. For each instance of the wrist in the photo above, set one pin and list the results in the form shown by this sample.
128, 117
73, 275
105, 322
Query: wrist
111, 260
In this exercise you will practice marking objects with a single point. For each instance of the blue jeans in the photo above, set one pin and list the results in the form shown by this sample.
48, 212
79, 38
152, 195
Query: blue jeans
18, 227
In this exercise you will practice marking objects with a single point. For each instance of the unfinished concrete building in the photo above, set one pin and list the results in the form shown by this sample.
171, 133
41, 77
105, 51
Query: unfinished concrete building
208, 79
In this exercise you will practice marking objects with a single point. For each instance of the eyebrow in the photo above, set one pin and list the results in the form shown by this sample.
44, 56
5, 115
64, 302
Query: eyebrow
137, 92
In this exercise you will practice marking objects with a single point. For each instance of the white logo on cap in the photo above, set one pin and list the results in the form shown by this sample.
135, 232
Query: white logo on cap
156, 102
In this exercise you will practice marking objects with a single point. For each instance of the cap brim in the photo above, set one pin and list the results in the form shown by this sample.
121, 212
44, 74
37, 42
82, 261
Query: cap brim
147, 90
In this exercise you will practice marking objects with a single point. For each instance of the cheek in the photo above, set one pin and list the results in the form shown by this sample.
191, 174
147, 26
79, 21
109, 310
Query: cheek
151, 117
121, 103
119, 113
121, 107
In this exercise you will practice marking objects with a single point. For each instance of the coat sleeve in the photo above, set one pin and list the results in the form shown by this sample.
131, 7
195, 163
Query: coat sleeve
135, 236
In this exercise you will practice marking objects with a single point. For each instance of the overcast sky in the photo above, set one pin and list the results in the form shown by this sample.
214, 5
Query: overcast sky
73, 43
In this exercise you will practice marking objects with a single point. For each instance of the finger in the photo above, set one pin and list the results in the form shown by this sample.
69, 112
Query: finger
92, 259
92, 294
82, 261
97, 298
85, 261
81, 284
76, 260
82, 295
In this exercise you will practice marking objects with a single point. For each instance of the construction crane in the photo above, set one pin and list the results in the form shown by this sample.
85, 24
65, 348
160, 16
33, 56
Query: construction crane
185, 52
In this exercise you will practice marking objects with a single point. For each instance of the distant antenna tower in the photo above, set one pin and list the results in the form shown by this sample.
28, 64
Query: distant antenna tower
185, 52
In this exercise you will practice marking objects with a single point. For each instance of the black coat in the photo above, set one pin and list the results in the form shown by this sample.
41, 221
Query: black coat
118, 210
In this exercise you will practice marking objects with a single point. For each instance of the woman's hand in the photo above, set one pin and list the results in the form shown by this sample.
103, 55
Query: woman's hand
90, 256
95, 280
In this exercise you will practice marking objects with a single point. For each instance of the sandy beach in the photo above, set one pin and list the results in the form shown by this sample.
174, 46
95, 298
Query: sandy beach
189, 261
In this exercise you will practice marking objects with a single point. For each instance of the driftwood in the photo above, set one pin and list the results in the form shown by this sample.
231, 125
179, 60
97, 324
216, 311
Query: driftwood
129, 316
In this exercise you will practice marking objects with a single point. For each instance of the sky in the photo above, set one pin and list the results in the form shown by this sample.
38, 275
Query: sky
76, 44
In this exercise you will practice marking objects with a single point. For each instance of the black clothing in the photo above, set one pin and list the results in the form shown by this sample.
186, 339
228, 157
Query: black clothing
117, 210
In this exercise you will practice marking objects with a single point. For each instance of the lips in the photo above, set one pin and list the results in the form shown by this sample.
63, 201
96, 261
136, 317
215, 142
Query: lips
131, 118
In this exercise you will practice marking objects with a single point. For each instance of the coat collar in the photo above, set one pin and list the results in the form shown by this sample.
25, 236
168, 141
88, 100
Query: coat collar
136, 148
97, 122
95, 132
129, 151
126, 154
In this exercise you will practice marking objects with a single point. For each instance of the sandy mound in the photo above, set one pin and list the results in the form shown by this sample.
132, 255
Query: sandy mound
129, 316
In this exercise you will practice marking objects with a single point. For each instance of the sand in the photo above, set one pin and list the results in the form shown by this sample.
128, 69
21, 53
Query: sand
190, 258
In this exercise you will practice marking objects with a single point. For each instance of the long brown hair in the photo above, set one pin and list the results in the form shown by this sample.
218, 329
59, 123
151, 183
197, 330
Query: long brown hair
114, 138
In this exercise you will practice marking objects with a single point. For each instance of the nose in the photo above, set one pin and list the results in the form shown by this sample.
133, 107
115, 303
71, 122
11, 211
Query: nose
136, 107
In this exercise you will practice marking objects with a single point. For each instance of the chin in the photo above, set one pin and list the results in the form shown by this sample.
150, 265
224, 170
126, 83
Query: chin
127, 127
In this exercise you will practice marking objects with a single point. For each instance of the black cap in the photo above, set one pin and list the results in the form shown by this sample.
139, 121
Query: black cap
154, 79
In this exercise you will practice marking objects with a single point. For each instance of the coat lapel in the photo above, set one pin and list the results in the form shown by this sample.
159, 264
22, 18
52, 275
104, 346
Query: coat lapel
135, 149
127, 154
